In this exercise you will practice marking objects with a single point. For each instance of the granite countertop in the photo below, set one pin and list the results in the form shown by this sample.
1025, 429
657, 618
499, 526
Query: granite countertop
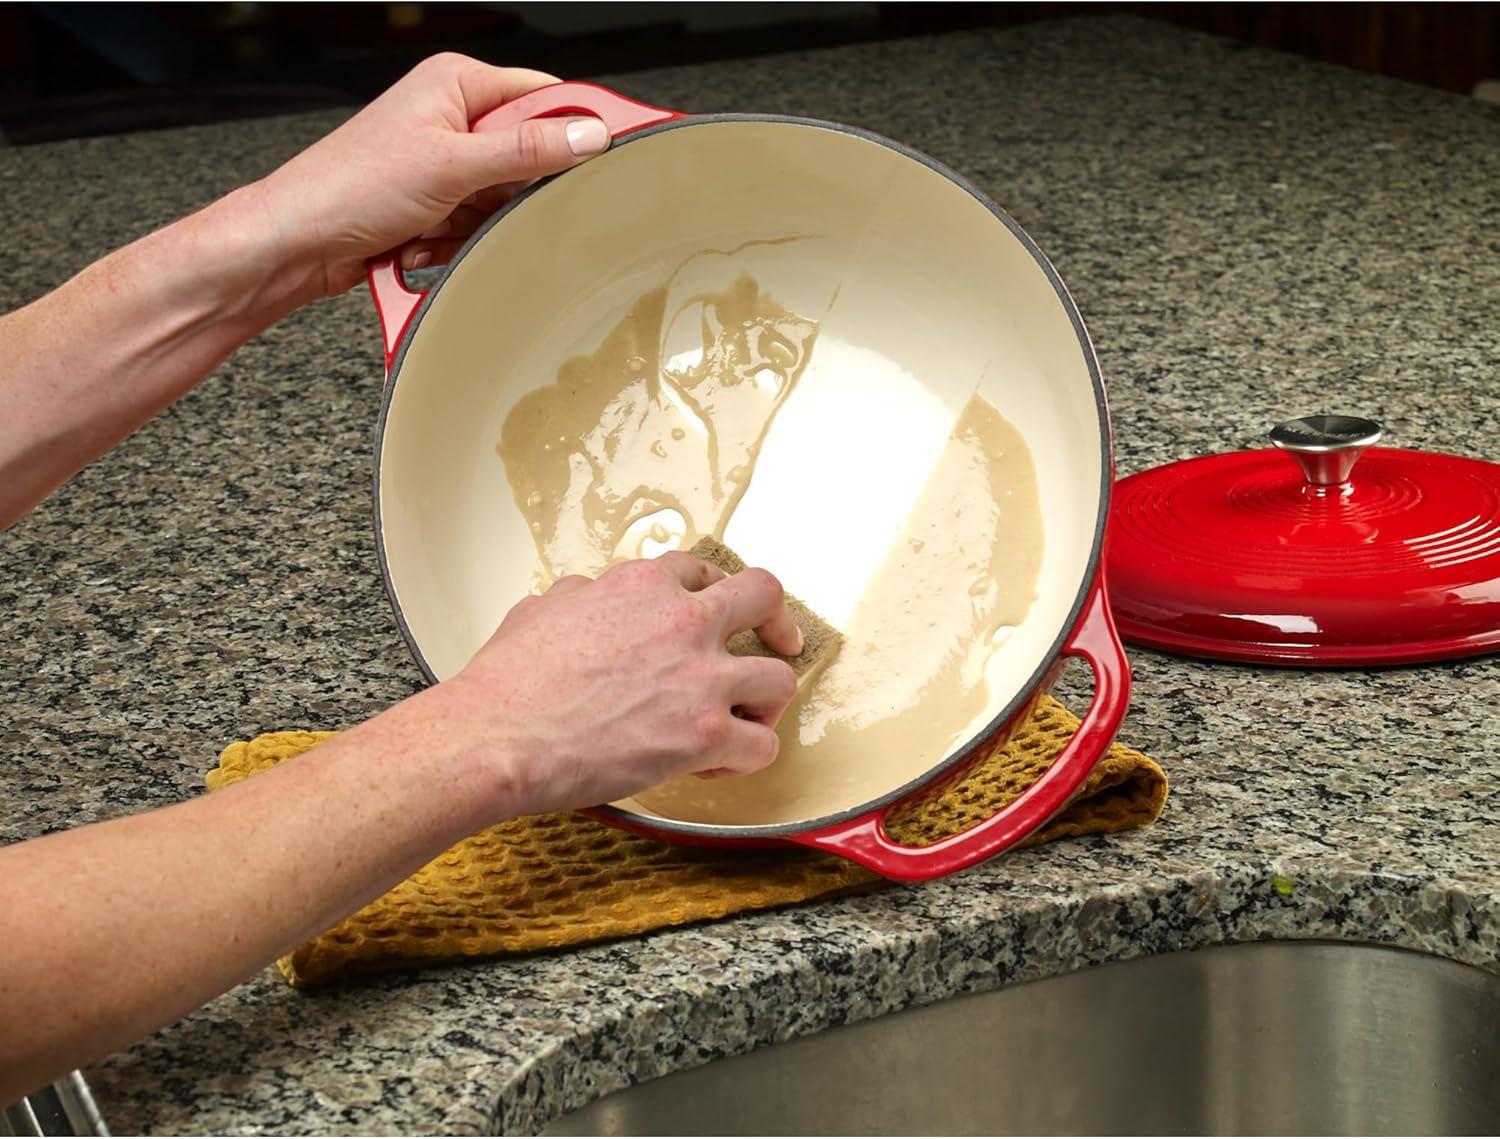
1249, 236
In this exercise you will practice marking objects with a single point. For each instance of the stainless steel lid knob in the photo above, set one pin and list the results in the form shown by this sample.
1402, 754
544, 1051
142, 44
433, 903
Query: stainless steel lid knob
1326, 447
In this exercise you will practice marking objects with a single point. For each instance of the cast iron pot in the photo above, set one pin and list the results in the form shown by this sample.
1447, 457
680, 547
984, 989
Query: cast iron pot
934, 279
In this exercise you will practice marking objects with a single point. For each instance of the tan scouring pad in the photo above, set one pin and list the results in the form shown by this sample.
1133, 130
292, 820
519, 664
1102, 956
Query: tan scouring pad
820, 640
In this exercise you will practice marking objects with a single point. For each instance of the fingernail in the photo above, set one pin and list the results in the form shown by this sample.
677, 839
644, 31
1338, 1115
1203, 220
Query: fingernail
587, 136
801, 640
421, 259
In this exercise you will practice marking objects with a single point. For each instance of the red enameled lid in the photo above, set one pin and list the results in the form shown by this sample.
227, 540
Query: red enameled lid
1297, 555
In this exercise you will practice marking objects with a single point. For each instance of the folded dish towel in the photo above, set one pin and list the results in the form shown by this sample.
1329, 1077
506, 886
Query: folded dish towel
551, 881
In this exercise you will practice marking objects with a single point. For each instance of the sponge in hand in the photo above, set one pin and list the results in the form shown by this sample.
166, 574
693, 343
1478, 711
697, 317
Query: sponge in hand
820, 640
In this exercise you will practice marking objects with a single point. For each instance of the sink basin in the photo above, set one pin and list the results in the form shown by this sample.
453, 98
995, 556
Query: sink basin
1261, 1038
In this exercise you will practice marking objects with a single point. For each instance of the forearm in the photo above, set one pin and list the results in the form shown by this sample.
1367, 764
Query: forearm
117, 929
89, 363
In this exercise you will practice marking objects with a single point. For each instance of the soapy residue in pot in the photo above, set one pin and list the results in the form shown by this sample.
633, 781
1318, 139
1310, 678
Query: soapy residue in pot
651, 441
639, 448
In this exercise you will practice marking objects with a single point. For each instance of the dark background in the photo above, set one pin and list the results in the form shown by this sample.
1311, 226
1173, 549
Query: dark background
73, 70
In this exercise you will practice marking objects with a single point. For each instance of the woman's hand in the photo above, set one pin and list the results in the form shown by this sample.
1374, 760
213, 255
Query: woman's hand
407, 171
596, 690
97, 357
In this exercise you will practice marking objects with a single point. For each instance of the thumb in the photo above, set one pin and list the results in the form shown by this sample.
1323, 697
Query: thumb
522, 152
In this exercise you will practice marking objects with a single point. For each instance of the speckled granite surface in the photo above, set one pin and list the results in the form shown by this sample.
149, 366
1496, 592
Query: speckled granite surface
1249, 236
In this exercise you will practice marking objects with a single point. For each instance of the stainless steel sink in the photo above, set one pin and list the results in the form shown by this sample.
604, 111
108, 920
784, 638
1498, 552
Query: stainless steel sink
65, 1108
1264, 1038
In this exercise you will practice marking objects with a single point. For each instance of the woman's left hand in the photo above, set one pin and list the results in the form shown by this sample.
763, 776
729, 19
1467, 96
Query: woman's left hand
407, 171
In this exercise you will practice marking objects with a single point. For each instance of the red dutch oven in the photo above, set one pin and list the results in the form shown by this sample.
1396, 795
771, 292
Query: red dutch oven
937, 294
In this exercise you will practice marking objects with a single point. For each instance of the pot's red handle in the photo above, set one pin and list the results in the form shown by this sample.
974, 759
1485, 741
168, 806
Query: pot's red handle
394, 302
864, 839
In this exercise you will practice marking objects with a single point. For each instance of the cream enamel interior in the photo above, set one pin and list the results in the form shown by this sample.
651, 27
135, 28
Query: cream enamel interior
923, 297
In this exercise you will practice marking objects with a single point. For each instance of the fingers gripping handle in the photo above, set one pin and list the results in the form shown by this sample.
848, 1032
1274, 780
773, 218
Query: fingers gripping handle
395, 304
864, 839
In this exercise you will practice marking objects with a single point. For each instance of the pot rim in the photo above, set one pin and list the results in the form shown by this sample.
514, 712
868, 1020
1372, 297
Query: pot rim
981, 739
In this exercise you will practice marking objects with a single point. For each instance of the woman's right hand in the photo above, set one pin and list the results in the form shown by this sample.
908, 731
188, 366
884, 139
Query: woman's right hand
596, 690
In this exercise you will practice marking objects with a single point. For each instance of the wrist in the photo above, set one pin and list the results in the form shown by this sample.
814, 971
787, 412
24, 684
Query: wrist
233, 264
223, 275
475, 770
274, 268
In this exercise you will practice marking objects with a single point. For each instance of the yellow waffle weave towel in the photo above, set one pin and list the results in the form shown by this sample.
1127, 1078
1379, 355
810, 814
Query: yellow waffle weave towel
551, 881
